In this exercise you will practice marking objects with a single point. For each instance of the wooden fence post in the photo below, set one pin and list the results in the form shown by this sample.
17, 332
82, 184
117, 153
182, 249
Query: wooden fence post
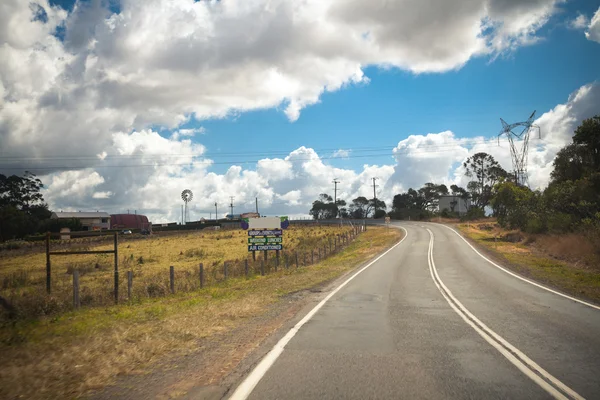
296, 260
76, 302
129, 283
262, 267
312, 256
48, 265
319, 254
225, 269
201, 275
304, 259
265, 254
246, 266
172, 278
116, 244
253, 255
276, 262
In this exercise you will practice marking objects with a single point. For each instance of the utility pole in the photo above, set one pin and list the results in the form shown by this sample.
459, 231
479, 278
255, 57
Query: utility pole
216, 213
335, 182
231, 205
256, 198
374, 197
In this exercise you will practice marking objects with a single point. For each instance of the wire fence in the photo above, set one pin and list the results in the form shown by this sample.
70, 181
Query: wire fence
92, 285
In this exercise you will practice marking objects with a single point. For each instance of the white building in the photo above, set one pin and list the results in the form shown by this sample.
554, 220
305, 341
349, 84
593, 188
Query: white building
91, 221
454, 204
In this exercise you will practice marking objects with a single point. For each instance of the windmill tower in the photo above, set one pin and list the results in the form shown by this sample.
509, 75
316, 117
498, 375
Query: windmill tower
186, 196
515, 132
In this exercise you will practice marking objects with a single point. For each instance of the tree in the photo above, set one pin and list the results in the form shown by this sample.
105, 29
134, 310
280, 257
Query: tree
21, 205
487, 172
431, 193
513, 205
323, 208
572, 162
376, 205
588, 134
359, 207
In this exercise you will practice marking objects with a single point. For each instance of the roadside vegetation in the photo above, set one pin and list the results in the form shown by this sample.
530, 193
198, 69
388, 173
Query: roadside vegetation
67, 354
569, 262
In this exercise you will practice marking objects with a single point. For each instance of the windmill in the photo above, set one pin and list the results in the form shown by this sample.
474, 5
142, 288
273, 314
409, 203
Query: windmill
186, 196
519, 156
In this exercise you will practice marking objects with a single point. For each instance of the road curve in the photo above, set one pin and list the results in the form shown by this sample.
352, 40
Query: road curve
431, 319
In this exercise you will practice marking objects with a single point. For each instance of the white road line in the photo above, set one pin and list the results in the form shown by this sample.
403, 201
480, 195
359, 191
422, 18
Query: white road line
245, 388
526, 365
520, 277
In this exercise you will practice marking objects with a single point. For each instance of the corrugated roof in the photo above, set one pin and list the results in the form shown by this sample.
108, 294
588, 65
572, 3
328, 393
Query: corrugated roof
80, 215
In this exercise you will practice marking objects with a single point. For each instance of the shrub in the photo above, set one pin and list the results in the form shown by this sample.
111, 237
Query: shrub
559, 222
535, 225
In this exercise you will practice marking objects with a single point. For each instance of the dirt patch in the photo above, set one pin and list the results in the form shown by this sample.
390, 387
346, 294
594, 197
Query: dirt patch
204, 368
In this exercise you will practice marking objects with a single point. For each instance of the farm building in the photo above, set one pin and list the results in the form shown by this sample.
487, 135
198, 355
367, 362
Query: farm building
129, 221
91, 221
455, 204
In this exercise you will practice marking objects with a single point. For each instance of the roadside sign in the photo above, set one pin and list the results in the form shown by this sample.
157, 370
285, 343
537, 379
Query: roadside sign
261, 247
265, 232
264, 240
387, 220
265, 222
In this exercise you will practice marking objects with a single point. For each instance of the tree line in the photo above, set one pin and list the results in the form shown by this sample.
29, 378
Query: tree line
570, 202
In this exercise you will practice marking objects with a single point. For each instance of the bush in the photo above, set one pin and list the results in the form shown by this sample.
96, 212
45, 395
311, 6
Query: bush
473, 213
535, 225
559, 222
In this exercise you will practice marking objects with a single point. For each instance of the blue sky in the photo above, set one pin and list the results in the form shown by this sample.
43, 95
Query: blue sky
395, 104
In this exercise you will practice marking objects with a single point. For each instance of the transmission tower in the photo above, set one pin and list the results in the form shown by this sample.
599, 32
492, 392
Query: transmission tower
519, 156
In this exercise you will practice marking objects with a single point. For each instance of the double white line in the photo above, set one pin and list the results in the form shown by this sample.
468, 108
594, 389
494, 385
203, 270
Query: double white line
533, 371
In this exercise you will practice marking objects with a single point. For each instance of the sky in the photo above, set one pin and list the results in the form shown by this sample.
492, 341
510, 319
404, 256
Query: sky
121, 105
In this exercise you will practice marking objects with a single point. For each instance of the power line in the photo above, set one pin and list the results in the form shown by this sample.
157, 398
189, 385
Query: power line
410, 151
465, 141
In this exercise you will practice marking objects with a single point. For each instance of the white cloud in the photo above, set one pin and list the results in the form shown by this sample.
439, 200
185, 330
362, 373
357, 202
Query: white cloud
160, 63
579, 22
101, 195
341, 153
593, 30
99, 99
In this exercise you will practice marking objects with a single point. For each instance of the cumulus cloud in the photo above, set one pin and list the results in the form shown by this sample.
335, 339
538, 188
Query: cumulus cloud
163, 62
153, 181
92, 109
593, 30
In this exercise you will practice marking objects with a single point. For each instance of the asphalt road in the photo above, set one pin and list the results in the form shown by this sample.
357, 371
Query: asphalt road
431, 319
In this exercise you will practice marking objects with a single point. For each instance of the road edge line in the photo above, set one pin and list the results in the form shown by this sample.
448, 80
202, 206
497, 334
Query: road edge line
510, 352
245, 388
520, 277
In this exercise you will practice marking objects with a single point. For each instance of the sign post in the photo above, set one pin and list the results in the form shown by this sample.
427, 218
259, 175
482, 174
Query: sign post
265, 234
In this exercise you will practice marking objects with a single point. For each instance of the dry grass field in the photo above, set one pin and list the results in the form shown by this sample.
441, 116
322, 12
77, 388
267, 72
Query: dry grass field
23, 272
67, 354
568, 262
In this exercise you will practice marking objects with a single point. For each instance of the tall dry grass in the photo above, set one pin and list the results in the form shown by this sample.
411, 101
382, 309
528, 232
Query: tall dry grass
23, 274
